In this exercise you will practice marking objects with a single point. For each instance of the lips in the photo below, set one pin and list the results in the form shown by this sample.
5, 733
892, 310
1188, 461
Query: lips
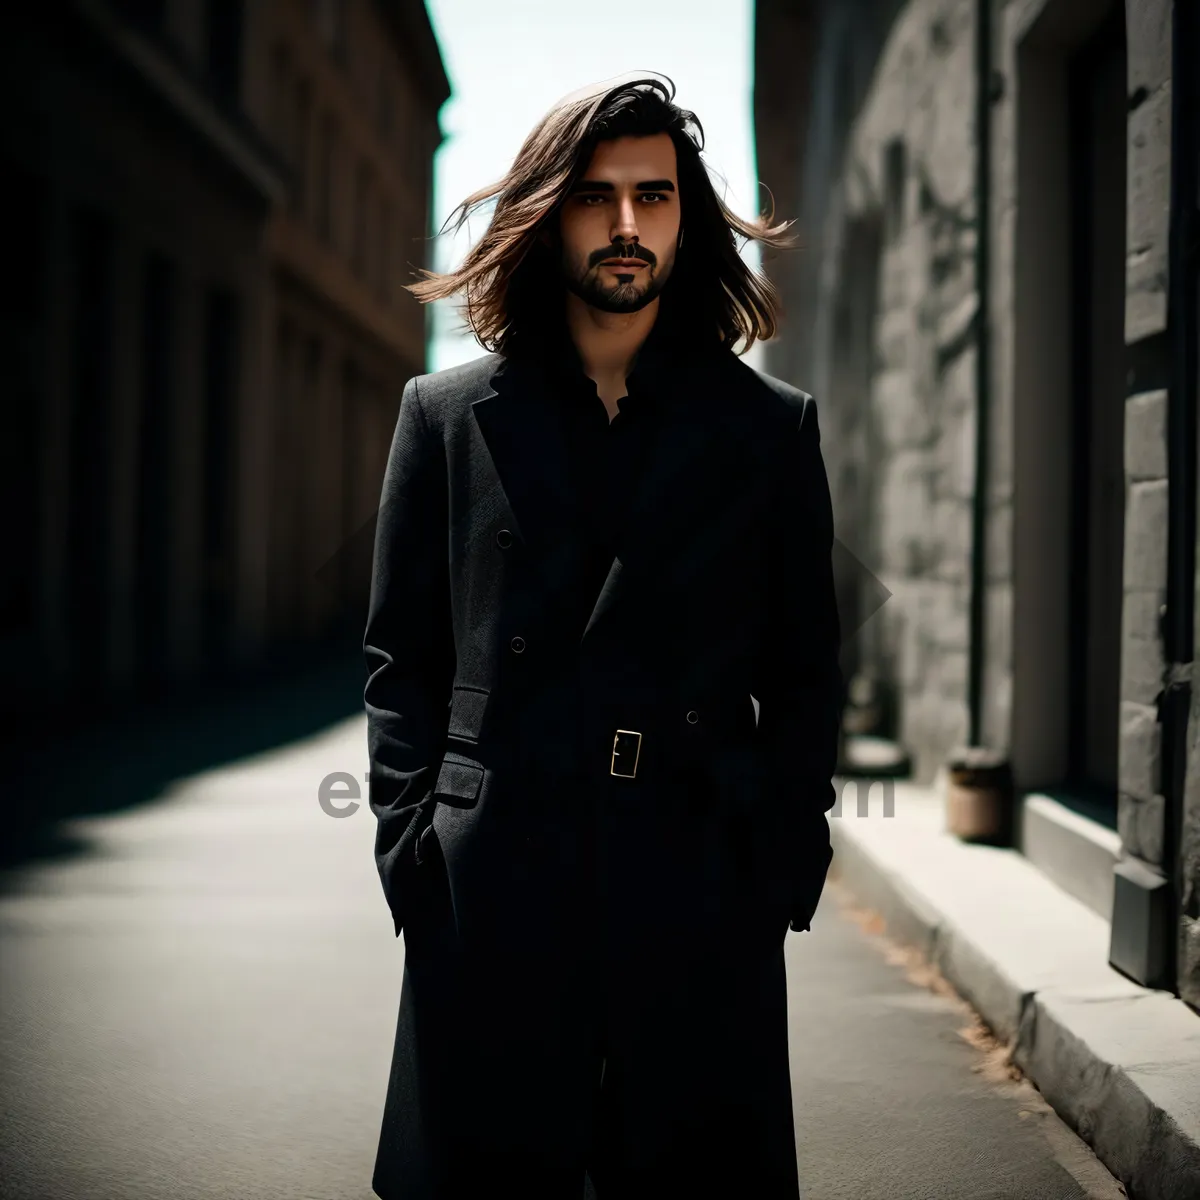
623, 262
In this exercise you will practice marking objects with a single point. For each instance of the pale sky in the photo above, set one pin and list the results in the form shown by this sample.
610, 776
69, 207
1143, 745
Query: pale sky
509, 61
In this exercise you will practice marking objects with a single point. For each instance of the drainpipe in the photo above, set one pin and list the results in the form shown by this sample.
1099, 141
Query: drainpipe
979, 508
1177, 630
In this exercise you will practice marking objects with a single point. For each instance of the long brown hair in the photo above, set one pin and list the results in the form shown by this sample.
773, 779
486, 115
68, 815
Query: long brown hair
712, 296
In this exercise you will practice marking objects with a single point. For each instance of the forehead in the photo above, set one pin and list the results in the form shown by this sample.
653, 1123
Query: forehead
626, 160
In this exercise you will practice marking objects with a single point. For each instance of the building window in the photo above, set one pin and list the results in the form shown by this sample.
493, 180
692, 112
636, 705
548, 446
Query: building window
387, 102
281, 100
219, 470
325, 172
364, 211
22, 332
302, 140
329, 18
845, 91
1095, 318
414, 154
383, 260
149, 14
90, 425
223, 22
285, 467
156, 422
895, 183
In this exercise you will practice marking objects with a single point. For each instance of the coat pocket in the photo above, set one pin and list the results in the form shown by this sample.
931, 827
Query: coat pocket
741, 778
459, 816
762, 836
422, 847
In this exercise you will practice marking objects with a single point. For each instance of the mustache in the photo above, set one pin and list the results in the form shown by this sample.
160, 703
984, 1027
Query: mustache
621, 251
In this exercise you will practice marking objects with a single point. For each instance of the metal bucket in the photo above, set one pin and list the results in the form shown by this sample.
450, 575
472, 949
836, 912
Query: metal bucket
979, 796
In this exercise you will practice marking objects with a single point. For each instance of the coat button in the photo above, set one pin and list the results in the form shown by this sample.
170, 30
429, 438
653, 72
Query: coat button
518, 644
504, 539
693, 717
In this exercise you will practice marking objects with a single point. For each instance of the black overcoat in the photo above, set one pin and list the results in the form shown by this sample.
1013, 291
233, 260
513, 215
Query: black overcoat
554, 910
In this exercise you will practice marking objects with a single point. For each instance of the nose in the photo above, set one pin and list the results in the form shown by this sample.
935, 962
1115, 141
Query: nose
625, 227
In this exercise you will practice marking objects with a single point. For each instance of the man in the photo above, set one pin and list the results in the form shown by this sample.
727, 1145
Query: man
595, 545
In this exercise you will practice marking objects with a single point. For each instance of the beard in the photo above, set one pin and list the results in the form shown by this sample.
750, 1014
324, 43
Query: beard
589, 285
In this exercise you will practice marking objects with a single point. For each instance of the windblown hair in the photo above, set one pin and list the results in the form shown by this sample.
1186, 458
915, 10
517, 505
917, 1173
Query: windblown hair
712, 296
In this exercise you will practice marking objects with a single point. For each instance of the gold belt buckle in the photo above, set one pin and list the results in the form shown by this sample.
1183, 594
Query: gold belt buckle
623, 751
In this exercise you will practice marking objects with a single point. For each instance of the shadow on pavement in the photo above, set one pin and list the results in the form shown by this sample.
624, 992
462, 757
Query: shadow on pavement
77, 762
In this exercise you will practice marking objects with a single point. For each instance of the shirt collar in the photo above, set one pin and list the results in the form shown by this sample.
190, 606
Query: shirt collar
655, 356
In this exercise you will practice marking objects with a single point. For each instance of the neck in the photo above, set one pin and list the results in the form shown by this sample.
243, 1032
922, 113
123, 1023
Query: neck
608, 342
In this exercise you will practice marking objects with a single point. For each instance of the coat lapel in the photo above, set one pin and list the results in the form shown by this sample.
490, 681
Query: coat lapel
518, 419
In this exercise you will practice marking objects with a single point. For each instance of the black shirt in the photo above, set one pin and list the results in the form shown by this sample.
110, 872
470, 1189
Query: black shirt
606, 459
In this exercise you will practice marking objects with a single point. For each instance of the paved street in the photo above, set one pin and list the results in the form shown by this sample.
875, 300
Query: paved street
199, 1002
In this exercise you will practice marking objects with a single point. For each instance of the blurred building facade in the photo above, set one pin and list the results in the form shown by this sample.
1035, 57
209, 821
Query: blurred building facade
217, 204
996, 306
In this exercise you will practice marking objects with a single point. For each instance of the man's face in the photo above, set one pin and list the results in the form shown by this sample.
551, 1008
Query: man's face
625, 205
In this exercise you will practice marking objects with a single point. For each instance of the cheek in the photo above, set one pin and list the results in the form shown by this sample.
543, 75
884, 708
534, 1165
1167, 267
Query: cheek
579, 241
666, 258
579, 226
662, 236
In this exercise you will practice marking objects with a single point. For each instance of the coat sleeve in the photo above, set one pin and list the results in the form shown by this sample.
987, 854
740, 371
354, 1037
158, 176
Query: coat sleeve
801, 686
408, 646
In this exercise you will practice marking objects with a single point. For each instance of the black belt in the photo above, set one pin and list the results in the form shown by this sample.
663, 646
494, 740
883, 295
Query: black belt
627, 748
676, 738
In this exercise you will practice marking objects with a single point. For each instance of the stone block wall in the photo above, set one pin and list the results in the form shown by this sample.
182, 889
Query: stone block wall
1188, 973
909, 170
892, 252
1149, 147
1144, 811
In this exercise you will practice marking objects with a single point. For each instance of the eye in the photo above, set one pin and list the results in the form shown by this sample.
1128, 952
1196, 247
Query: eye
586, 199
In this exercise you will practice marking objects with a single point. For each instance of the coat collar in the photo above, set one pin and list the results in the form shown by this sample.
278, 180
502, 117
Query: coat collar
518, 417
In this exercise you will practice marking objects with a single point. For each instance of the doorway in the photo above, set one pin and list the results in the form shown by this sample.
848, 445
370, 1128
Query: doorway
1069, 410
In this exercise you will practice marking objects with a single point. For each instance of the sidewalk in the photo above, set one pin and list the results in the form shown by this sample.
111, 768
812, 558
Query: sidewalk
201, 988
1120, 1063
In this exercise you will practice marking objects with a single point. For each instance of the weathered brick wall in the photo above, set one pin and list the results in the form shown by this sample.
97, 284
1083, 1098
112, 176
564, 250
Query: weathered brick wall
1150, 54
1140, 804
1148, 198
1189, 922
909, 171
893, 253
1142, 807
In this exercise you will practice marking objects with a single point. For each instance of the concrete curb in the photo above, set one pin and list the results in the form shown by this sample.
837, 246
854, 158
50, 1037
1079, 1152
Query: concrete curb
1119, 1063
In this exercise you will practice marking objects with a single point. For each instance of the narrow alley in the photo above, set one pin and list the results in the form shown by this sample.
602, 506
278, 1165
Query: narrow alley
199, 1002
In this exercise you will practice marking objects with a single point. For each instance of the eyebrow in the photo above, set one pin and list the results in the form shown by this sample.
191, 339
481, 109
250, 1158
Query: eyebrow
603, 185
